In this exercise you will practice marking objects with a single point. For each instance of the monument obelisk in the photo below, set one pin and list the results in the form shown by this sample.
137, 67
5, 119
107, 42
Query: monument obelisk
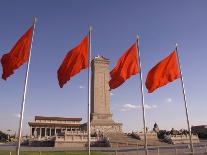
101, 117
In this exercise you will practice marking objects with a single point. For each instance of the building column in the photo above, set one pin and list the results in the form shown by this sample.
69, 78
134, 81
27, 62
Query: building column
50, 131
35, 132
30, 131
40, 132
45, 132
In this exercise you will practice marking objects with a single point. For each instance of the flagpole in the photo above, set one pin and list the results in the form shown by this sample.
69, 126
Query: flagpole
185, 101
24, 94
142, 96
89, 92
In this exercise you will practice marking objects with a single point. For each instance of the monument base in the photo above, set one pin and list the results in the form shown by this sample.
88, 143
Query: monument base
105, 127
103, 123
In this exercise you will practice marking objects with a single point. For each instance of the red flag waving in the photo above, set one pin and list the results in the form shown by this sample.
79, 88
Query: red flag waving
18, 55
163, 73
74, 61
125, 67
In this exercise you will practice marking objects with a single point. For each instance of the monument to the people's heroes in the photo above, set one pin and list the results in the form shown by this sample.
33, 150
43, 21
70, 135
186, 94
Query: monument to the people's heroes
101, 117
68, 132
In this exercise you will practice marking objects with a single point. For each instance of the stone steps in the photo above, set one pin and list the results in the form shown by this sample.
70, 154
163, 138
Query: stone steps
120, 139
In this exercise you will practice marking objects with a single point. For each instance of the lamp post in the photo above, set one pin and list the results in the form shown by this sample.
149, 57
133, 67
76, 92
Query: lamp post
8, 134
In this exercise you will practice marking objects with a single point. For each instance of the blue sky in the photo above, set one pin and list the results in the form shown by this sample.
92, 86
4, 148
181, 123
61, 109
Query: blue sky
63, 23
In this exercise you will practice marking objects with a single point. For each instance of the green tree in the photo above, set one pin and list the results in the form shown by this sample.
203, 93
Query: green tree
3, 137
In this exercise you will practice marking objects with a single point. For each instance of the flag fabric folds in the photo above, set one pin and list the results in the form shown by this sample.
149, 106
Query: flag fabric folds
18, 55
126, 66
163, 73
75, 60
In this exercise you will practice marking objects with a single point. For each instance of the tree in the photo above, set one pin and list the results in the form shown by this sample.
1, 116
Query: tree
3, 137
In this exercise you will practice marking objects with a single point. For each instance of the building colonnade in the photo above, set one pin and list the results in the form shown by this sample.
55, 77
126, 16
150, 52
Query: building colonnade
41, 132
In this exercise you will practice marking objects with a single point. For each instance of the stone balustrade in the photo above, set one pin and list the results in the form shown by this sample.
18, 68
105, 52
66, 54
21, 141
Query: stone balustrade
181, 139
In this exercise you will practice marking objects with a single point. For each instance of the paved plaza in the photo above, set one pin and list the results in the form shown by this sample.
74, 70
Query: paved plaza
180, 149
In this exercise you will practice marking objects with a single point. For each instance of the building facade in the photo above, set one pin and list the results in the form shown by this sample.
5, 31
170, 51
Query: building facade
51, 126
200, 130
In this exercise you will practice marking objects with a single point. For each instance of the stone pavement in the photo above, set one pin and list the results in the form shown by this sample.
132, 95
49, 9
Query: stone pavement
181, 149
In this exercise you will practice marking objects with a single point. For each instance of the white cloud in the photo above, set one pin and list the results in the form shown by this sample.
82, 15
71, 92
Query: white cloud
154, 106
16, 115
127, 107
81, 87
147, 106
123, 110
168, 100
130, 106
111, 94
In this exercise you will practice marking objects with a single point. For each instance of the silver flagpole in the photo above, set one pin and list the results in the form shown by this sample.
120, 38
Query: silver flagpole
24, 95
185, 101
142, 95
89, 93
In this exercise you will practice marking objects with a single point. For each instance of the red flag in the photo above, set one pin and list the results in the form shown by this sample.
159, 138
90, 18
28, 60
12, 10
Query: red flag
125, 67
74, 61
18, 55
163, 73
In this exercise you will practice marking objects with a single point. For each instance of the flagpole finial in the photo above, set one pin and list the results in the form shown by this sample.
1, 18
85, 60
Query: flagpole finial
138, 37
34, 19
90, 28
176, 44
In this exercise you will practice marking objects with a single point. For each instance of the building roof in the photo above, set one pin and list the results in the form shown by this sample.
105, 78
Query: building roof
199, 126
52, 124
57, 118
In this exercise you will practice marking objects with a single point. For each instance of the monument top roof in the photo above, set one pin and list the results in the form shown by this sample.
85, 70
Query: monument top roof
101, 59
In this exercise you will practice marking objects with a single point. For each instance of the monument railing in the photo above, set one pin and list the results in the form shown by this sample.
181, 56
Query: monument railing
76, 132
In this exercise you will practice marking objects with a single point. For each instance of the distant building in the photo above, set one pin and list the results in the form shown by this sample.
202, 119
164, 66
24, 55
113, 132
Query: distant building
58, 132
200, 130
51, 126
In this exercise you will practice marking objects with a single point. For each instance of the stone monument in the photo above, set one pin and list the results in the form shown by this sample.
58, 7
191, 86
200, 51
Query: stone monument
156, 128
101, 117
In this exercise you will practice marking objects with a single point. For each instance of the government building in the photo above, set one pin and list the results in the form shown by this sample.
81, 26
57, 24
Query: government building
44, 127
